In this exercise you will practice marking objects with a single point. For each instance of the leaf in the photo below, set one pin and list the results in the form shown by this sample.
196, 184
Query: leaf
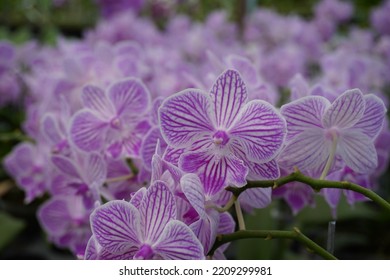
10, 227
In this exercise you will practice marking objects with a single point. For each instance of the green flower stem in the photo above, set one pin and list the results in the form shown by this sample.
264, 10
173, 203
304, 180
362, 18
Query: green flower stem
316, 184
294, 234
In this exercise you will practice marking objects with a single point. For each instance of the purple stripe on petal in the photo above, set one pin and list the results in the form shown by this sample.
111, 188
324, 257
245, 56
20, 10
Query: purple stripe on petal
172, 155
54, 216
346, 110
194, 192
129, 97
178, 242
308, 150
137, 197
205, 229
87, 131
92, 250
95, 169
157, 209
65, 165
148, 147
256, 198
263, 171
95, 99
50, 129
260, 130
228, 96
184, 118
358, 151
373, 118
304, 113
115, 226
215, 171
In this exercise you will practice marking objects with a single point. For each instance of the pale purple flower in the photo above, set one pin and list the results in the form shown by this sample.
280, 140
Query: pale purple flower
85, 175
148, 228
65, 219
112, 120
297, 195
29, 165
319, 131
220, 129
110, 8
380, 18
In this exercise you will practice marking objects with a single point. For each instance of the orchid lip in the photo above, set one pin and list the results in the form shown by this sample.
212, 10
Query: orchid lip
220, 138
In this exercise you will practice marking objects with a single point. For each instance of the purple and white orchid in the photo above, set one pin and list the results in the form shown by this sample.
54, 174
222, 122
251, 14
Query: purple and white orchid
218, 129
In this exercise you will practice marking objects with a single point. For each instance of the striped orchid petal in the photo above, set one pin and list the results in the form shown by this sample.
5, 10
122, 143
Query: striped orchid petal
346, 110
157, 209
148, 147
256, 198
216, 172
228, 95
88, 131
358, 151
185, 117
178, 242
303, 114
260, 130
129, 97
66, 166
308, 150
263, 171
115, 226
95, 99
54, 216
194, 192
373, 118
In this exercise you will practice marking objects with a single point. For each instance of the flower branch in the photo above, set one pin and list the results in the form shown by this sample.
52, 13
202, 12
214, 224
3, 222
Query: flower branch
315, 184
294, 234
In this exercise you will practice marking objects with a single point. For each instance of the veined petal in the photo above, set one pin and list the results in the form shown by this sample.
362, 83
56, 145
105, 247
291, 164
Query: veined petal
137, 197
256, 198
263, 171
358, 151
96, 252
95, 169
148, 147
194, 192
157, 208
308, 150
88, 131
95, 99
177, 241
205, 229
260, 130
346, 110
304, 113
115, 226
172, 155
50, 129
54, 216
184, 117
129, 97
373, 118
228, 95
65, 165
215, 171
226, 226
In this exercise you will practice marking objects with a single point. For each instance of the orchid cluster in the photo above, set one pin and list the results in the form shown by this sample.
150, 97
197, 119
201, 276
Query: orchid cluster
138, 131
